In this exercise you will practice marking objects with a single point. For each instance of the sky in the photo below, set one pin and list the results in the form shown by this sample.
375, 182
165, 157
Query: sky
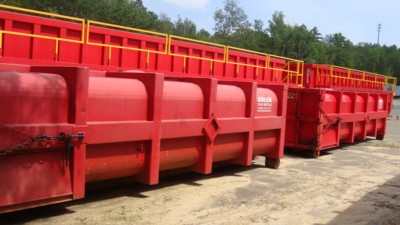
357, 20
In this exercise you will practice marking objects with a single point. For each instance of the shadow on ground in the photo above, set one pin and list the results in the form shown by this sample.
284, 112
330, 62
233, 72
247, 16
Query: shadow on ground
381, 204
125, 187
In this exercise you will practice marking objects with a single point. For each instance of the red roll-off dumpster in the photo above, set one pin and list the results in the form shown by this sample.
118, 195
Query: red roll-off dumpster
321, 119
78, 129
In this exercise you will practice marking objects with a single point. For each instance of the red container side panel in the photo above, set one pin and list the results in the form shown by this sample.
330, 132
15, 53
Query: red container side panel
126, 124
321, 119
195, 60
40, 49
39, 103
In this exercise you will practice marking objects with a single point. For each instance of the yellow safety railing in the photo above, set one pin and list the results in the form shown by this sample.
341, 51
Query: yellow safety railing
363, 77
391, 83
286, 68
185, 57
238, 64
349, 76
52, 15
167, 45
292, 69
297, 73
110, 46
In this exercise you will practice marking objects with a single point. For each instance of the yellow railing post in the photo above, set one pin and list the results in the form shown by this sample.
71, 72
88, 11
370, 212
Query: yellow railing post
168, 43
109, 55
300, 71
147, 60
184, 64
1, 40
331, 75
56, 51
349, 78
364, 81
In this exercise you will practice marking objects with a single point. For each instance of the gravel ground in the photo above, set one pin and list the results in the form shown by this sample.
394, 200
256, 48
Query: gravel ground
353, 184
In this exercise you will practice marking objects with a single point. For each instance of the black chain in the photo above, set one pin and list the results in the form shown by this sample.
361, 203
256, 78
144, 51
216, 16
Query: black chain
28, 140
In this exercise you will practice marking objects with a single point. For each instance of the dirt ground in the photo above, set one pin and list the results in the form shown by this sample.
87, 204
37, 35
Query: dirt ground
353, 184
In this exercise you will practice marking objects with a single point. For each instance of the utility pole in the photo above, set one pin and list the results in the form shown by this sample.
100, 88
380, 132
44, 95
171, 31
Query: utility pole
379, 31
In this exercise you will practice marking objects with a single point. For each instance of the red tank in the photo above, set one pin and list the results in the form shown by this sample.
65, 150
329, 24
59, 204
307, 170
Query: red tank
79, 129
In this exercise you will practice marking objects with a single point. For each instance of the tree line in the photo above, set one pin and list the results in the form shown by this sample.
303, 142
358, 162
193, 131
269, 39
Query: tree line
232, 27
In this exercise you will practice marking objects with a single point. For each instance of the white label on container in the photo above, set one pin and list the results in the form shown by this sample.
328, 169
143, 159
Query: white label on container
380, 103
264, 104
308, 76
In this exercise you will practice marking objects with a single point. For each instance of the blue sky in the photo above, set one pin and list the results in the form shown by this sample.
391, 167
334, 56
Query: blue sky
355, 19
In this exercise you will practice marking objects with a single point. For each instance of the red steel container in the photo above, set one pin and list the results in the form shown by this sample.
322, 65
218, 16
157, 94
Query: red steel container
128, 124
321, 119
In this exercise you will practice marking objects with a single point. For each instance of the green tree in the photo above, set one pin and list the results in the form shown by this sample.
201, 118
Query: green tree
185, 28
204, 35
260, 37
293, 41
164, 24
253, 38
278, 31
229, 20
340, 50
123, 12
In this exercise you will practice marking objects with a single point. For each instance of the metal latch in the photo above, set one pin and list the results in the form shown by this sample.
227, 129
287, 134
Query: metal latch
28, 139
331, 121
62, 137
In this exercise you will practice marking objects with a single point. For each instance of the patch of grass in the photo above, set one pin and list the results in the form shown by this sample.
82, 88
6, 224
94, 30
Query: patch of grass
123, 212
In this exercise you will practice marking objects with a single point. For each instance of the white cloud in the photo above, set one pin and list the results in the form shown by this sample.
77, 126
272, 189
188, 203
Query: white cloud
189, 4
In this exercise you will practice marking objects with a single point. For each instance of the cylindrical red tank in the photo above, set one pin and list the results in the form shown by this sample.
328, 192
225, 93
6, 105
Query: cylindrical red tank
119, 100
360, 104
31, 98
264, 141
134, 125
43, 98
371, 104
329, 104
381, 104
181, 101
115, 100
231, 102
346, 107
359, 126
381, 122
371, 107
